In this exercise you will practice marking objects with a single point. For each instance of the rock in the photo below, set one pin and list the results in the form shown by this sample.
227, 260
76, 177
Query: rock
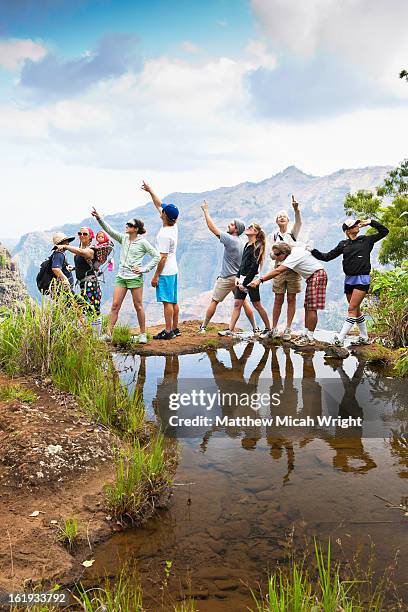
13, 291
226, 585
336, 352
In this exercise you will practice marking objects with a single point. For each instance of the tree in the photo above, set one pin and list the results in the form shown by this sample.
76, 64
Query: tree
389, 205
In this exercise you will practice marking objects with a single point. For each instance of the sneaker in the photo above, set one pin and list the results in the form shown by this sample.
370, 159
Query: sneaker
287, 334
266, 333
274, 333
226, 332
163, 335
361, 341
177, 332
105, 338
142, 339
337, 341
304, 341
201, 330
256, 331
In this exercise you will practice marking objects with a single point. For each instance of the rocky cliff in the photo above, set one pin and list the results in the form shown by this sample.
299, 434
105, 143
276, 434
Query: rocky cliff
12, 288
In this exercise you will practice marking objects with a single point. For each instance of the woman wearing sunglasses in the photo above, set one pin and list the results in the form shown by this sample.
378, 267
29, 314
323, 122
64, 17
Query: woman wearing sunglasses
84, 259
130, 274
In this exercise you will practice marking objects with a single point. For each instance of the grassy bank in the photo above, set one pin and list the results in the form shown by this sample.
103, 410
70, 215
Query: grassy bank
55, 342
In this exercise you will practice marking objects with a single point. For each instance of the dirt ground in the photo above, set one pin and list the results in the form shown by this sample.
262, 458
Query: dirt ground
53, 463
190, 340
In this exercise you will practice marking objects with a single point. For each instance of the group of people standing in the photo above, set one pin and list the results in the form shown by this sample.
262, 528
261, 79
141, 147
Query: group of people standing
239, 274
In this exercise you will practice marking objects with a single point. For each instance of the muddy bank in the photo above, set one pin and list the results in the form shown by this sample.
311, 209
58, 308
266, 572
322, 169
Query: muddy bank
54, 463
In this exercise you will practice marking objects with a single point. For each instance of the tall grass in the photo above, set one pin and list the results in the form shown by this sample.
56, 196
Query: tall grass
140, 479
296, 590
55, 340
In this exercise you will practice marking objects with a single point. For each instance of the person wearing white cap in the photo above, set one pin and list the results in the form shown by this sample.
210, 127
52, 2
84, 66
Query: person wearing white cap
290, 281
59, 264
225, 283
356, 252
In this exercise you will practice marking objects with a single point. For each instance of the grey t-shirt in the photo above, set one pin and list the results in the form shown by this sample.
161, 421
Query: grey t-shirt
233, 249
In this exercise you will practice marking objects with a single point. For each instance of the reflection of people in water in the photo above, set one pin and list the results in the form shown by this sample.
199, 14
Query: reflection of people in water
165, 387
347, 443
232, 379
289, 394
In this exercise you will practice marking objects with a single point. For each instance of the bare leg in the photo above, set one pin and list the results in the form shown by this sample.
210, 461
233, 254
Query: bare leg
210, 312
277, 308
354, 300
291, 299
310, 319
168, 309
235, 313
118, 297
262, 313
176, 311
250, 314
137, 296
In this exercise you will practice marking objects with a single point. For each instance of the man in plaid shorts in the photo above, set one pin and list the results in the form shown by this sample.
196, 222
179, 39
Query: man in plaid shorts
300, 260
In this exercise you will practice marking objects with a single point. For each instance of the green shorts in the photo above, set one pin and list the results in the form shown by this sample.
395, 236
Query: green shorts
129, 283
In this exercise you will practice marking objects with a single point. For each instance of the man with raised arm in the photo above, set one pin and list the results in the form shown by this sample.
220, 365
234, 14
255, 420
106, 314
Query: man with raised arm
165, 277
225, 283
289, 282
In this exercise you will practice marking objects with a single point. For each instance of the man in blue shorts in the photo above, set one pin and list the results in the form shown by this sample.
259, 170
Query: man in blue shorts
165, 277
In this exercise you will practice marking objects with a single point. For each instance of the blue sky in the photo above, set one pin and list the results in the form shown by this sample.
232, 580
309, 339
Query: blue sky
97, 95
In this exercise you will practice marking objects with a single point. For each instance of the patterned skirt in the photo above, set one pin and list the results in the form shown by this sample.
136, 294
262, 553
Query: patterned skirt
90, 291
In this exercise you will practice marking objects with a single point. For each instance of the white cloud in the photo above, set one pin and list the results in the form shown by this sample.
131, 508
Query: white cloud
370, 33
14, 51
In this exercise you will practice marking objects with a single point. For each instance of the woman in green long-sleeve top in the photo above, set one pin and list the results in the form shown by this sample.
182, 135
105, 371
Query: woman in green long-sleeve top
130, 274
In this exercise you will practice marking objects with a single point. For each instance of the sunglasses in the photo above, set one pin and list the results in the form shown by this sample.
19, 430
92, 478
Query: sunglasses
83, 234
130, 225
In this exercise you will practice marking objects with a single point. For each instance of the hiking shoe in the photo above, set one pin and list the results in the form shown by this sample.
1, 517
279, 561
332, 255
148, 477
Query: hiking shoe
266, 333
256, 331
177, 332
105, 338
226, 332
361, 341
163, 335
287, 334
142, 339
201, 330
304, 341
337, 341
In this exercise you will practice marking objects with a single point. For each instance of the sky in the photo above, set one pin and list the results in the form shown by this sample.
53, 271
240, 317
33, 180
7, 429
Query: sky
98, 95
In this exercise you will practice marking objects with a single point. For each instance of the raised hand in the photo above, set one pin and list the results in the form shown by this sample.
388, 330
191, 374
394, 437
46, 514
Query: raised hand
295, 203
95, 213
365, 222
204, 206
146, 187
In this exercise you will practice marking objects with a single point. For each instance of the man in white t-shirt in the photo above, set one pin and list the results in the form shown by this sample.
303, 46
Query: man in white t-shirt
301, 261
165, 277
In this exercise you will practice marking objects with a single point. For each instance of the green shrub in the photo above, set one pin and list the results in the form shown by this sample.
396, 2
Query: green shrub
401, 365
388, 305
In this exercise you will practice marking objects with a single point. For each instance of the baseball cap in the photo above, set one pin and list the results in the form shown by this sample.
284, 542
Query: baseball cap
240, 225
349, 223
171, 211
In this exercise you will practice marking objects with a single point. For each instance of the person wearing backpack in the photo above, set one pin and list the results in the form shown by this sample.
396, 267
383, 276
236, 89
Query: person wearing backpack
86, 274
56, 266
134, 247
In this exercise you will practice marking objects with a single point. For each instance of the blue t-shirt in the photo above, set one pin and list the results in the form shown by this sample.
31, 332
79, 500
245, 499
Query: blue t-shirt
59, 261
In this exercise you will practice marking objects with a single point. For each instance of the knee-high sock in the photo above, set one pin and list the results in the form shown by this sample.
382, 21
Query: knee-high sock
361, 322
347, 325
